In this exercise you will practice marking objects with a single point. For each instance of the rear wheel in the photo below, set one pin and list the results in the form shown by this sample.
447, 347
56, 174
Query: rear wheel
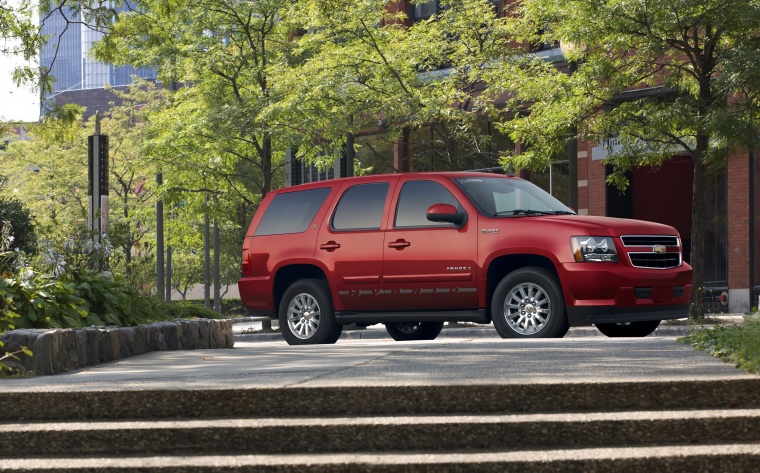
629, 329
306, 314
408, 331
528, 303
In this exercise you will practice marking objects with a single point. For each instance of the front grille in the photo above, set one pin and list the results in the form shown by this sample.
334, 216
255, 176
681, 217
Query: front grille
649, 240
655, 260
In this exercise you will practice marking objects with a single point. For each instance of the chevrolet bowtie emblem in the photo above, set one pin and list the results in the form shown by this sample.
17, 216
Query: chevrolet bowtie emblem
659, 249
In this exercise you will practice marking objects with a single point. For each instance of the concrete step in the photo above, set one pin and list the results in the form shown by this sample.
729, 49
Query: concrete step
50, 406
694, 459
381, 434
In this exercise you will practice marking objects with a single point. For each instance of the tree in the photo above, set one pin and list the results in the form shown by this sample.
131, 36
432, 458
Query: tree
19, 36
359, 64
221, 50
48, 172
132, 195
698, 57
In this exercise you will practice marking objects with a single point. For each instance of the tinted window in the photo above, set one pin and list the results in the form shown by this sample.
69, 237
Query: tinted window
291, 212
361, 207
416, 197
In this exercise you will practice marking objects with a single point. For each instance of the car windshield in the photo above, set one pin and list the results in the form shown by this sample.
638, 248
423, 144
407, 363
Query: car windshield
499, 196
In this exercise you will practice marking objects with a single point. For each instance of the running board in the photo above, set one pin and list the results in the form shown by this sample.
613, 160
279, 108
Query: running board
368, 318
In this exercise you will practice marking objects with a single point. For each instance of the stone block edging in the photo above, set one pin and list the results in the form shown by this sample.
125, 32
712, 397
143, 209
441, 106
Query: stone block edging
58, 350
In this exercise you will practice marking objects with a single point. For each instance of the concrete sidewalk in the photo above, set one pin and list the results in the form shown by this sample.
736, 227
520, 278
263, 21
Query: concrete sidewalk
446, 361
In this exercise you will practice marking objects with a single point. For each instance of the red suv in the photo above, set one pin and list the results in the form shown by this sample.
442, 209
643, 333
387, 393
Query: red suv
414, 250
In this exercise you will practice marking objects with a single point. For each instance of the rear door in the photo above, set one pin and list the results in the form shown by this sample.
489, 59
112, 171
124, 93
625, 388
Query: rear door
351, 244
428, 265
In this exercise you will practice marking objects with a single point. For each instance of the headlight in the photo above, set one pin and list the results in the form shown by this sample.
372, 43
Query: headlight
587, 248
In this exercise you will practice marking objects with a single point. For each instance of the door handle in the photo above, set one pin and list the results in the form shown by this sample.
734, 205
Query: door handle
329, 246
399, 244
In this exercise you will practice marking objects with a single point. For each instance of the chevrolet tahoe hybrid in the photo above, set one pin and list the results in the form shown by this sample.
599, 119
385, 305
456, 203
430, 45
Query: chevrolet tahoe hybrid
415, 250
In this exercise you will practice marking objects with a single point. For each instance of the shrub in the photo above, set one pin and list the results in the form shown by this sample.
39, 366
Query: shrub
7, 313
739, 344
22, 228
78, 299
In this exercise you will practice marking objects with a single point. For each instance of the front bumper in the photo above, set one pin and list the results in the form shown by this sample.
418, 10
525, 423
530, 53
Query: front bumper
603, 293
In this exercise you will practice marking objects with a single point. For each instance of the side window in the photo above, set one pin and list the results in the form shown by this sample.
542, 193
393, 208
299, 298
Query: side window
415, 198
361, 207
291, 212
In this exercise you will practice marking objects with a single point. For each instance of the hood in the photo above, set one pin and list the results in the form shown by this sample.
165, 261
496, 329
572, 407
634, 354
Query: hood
609, 226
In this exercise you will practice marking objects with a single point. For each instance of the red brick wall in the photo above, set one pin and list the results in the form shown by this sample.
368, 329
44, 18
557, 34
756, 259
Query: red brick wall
738, 221
583, 191
597, 187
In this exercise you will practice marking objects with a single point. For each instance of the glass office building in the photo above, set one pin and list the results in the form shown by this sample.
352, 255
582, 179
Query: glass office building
67, 55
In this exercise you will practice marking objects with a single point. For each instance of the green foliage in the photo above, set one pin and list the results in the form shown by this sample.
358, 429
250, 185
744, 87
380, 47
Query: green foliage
739, 344
185, 310
79, 298
21, 228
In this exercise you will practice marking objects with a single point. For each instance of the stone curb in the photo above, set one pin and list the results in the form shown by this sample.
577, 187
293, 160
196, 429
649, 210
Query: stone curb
59, 350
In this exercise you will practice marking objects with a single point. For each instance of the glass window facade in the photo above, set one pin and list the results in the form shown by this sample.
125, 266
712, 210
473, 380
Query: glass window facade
67, 55
439, 147
555, 180
423, 10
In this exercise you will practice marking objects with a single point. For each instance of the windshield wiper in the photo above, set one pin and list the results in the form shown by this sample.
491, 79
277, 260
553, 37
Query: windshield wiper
523, 212
562, 212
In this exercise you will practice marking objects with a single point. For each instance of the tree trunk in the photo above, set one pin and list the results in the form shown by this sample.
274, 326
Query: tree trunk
266, 167
696, 312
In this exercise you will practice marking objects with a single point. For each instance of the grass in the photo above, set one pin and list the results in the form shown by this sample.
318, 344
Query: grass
738, 344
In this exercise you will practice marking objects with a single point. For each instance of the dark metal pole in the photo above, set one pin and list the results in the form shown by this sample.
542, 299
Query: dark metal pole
207, 262
159, 243
217, 276
168, 273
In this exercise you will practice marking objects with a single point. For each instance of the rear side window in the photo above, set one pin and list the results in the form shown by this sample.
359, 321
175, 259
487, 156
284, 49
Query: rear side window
415, 198
291, 212
361, 207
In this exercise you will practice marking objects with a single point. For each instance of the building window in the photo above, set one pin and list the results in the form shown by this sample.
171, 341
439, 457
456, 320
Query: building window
438, 147
555, 180
424, 10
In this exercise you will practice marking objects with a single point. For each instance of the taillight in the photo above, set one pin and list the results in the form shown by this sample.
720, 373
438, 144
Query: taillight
246, 263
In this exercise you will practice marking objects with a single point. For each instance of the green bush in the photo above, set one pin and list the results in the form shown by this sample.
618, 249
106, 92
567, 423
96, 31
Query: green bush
7, 313
230, 307
78, 299
739, 344
22, 228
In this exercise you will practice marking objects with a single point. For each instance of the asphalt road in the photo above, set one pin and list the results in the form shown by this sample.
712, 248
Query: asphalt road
451, 359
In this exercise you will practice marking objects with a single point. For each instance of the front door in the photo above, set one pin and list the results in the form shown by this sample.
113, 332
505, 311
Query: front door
428, 265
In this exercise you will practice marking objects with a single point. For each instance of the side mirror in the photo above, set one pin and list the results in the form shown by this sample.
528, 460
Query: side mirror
446, 213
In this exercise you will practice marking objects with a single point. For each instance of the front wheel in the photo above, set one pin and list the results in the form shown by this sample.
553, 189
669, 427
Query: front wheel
306, 314
528, 303
629, 329
408, 331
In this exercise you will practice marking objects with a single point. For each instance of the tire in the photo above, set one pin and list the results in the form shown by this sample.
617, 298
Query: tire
528, 303
629, 329
408, 331
306, 314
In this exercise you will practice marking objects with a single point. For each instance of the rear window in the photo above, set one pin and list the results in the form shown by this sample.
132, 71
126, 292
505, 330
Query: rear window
291, 212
